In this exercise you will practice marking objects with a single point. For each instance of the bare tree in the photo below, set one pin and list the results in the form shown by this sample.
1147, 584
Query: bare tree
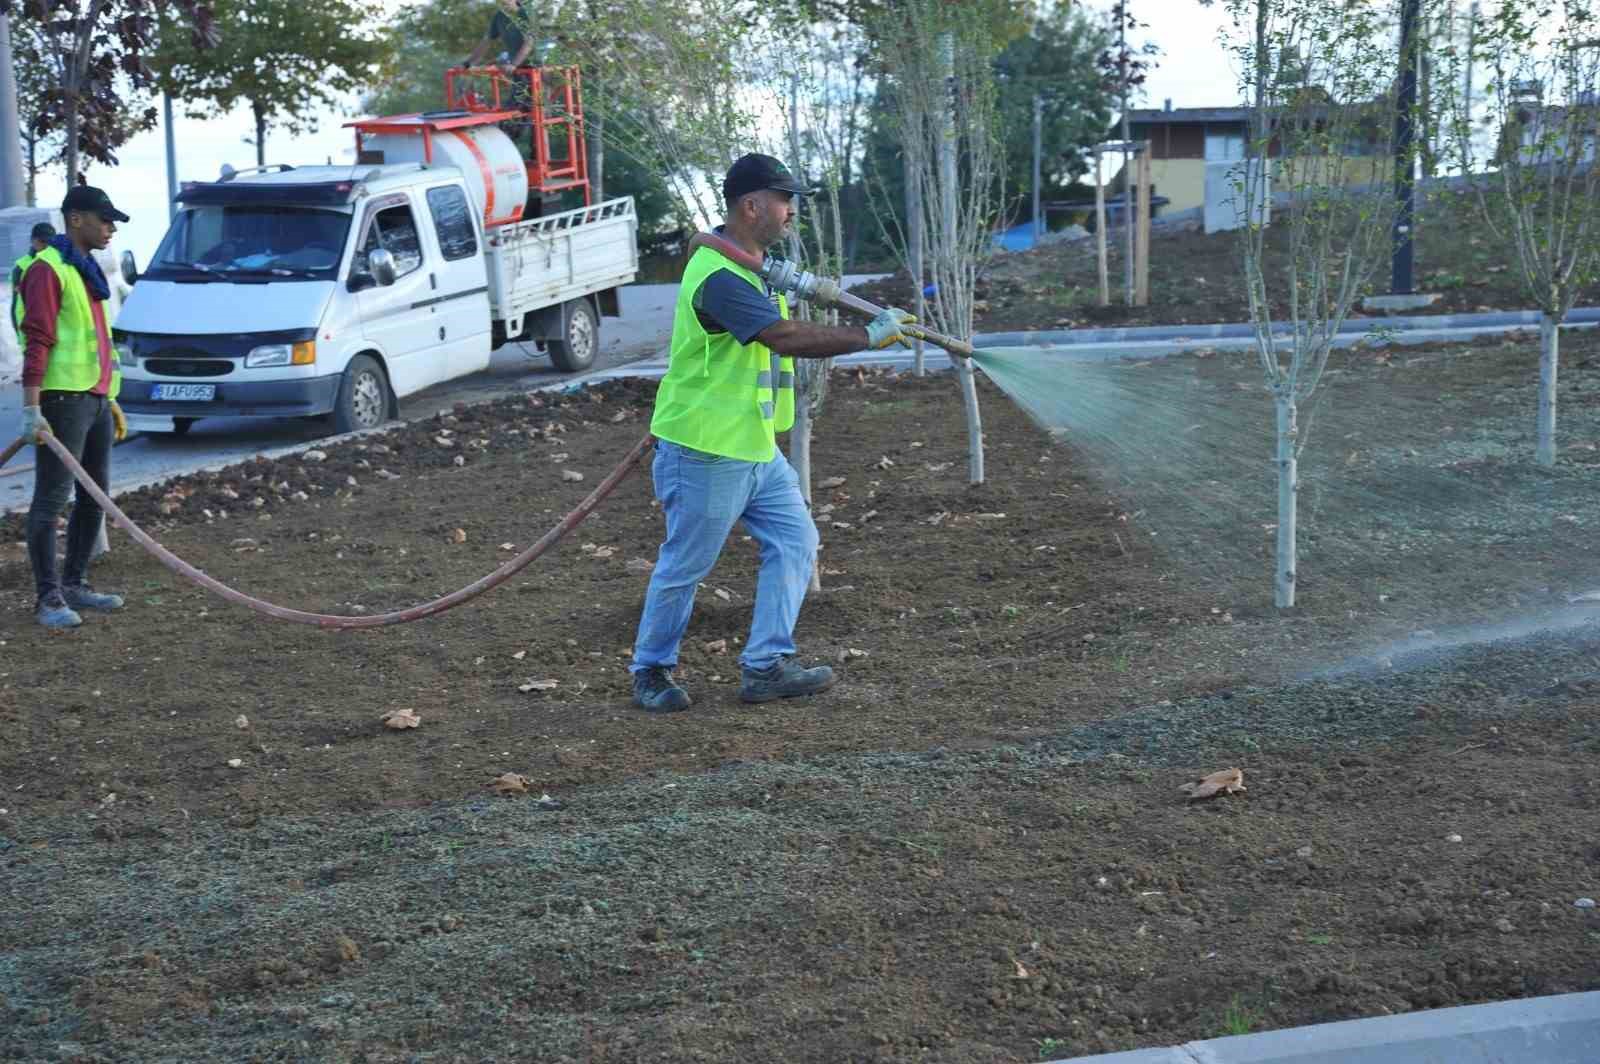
1541, 194
1319, 81
937, 59
818, 82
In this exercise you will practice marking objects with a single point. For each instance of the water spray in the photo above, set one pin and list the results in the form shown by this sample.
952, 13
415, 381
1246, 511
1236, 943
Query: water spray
785, 276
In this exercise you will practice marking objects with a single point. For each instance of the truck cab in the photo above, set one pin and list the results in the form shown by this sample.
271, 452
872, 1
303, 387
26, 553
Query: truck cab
310, 291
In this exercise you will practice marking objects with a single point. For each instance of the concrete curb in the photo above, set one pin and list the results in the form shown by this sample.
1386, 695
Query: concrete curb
1561, 1029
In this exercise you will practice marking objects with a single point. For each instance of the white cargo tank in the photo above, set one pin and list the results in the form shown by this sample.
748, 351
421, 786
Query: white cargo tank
496, 174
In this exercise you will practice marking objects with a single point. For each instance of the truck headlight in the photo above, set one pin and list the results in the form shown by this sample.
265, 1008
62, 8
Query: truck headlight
300, 354
125, 359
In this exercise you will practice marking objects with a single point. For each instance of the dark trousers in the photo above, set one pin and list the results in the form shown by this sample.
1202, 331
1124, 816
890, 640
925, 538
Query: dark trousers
82, 422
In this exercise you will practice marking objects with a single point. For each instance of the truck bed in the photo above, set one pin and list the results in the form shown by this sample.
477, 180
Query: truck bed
547, 261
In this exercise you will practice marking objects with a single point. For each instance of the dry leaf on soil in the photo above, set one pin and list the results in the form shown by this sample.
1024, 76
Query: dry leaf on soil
539, 685
1227, 781
399, 719
509, 783
458, 536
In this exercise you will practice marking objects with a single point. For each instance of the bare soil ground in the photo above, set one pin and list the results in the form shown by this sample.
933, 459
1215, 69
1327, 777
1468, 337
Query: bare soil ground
1197, 279
973, 849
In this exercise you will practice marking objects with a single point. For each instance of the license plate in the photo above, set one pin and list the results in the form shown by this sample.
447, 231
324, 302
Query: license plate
199, 392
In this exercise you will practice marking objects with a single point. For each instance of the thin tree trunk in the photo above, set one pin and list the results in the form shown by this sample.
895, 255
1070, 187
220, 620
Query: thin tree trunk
72, 139
1100, 232
915, 244
969, 397
261, 134
1288, 497
1549, 364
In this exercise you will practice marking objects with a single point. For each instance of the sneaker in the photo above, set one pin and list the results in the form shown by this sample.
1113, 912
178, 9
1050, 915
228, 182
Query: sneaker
84, 597
53, 612
654, 691
784, 679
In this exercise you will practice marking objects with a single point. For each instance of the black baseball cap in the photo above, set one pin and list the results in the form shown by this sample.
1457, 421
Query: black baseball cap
43, 231
754, 172
89, 198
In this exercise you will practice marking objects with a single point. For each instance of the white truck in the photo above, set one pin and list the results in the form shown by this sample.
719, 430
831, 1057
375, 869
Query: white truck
336, 290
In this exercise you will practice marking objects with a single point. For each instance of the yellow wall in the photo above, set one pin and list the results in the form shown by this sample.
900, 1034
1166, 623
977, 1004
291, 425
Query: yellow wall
1183, 181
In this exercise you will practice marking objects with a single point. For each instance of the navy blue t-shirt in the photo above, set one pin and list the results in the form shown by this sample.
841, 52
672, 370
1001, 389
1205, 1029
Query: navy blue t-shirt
728, 303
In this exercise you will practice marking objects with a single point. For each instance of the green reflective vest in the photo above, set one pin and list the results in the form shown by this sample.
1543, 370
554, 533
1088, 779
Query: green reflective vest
718, 395
75, 359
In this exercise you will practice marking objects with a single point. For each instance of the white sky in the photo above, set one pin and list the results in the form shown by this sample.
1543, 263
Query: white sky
1193, 70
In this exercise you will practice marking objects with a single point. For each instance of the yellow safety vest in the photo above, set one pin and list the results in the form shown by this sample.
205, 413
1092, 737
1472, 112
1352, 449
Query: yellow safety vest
75, 359
718, 395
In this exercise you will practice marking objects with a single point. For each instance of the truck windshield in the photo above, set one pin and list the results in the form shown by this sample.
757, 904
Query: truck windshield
208, 243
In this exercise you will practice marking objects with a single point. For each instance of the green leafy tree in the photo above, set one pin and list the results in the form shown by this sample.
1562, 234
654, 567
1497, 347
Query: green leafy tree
98, 56
672, 82
432, 36
1055, 61
284, 59
425, 40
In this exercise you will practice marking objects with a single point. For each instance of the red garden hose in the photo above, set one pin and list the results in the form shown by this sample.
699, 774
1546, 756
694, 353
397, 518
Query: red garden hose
330, 620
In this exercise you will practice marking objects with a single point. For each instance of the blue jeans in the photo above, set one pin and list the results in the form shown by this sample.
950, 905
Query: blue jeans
703, 496
82, 422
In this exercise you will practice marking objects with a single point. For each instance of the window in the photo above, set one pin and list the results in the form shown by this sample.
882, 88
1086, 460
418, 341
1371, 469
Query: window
395, 230
1224, 146
278, 242
452, 220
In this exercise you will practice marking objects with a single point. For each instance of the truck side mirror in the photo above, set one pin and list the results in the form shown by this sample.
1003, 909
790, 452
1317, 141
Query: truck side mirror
130, 271
381, 262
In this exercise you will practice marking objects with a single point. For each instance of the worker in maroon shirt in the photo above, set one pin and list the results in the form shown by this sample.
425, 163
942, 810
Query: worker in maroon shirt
70, 381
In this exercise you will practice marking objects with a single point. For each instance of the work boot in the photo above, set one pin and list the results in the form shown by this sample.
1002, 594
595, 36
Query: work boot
53, 612
654, 691
84, 597
783, 679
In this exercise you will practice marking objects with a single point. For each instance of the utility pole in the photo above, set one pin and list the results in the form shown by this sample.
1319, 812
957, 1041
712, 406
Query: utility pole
172, 157
1405, 167
13, 191
1038, 136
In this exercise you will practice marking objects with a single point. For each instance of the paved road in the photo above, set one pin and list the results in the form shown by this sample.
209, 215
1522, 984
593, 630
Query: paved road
641, 332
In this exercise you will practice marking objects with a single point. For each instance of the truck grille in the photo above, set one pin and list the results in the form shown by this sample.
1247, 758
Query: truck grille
189, 367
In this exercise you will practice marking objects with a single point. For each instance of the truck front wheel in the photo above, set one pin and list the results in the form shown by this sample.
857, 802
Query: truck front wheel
580, 340
363, 400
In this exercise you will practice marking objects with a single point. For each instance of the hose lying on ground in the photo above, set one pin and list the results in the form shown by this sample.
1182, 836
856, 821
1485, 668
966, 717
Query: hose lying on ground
330, 620
805, 285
